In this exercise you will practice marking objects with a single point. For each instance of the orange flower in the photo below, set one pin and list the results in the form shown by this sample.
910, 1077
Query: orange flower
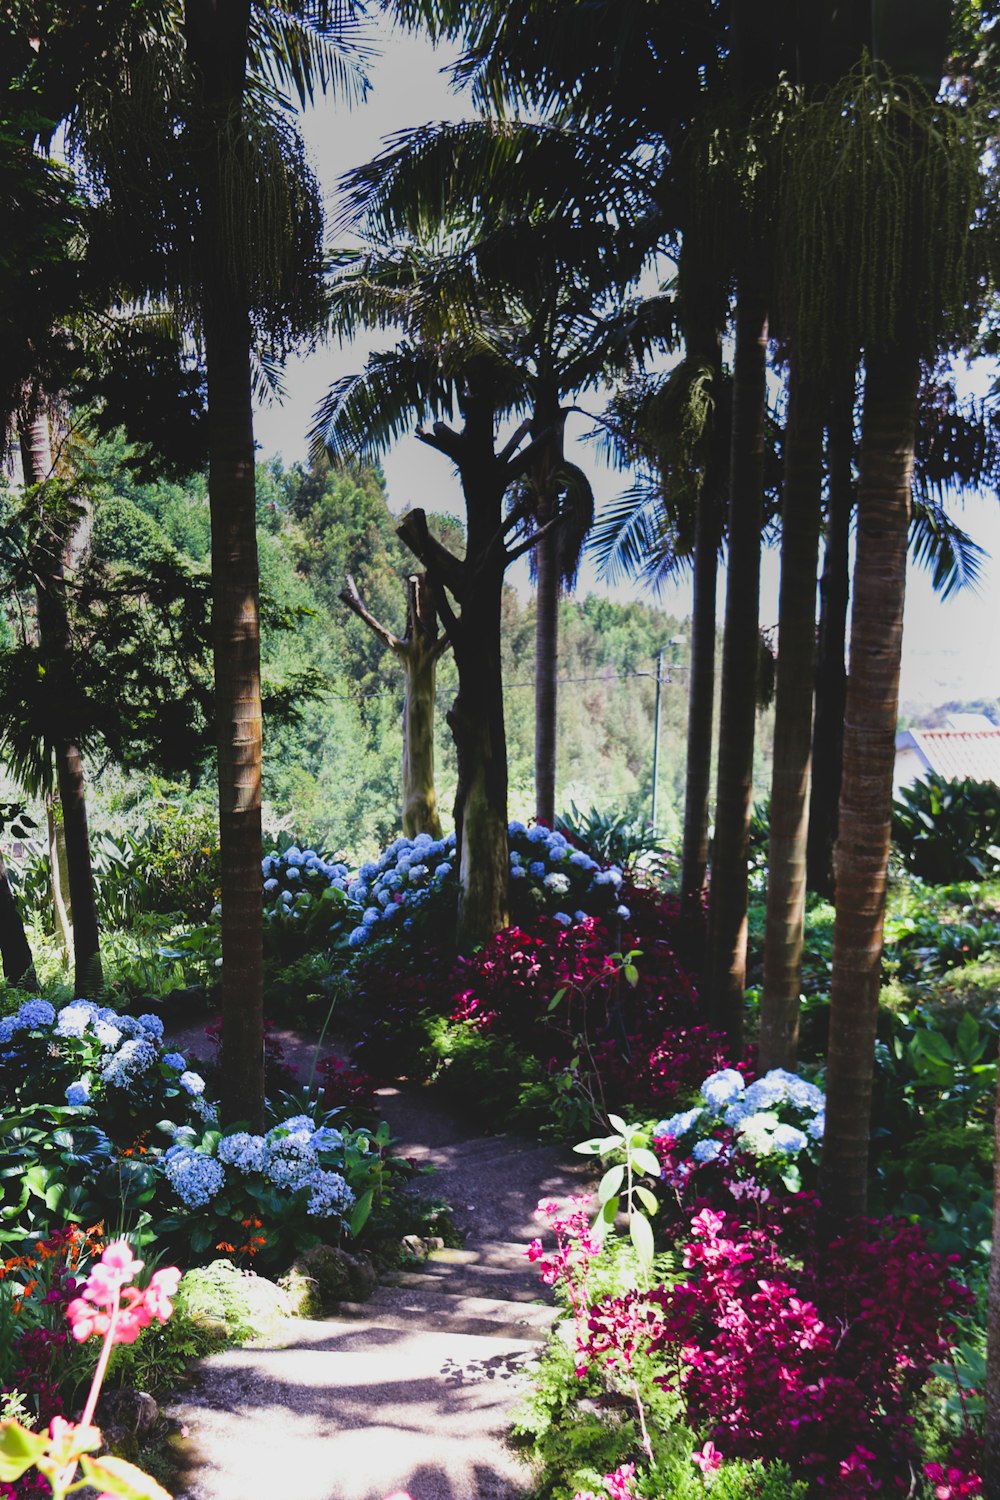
225, 1245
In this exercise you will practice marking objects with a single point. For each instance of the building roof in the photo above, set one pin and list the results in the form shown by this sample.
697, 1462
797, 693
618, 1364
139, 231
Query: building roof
957, 754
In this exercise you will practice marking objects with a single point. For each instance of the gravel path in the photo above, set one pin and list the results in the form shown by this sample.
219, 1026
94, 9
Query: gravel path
415, 1389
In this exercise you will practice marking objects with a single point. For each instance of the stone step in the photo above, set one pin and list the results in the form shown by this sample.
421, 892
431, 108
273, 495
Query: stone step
430, 1308
504, 1255
464, 1281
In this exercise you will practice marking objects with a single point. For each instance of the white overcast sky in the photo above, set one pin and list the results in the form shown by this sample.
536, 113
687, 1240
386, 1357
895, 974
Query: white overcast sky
951, 649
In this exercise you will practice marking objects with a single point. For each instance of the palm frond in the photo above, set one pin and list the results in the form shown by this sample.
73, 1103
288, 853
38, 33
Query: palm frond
361, 415
309, 48
634, 537
940, 545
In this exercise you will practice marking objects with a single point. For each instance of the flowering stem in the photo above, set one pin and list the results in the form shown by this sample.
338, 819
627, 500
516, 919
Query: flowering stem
642, 1421
66, 1476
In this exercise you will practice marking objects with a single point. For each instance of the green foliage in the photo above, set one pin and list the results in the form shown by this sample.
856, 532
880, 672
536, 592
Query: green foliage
161, 1356
947, 831
610, 837
638, 1200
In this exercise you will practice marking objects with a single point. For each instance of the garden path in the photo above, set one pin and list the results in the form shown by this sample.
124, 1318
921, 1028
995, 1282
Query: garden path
413, 1390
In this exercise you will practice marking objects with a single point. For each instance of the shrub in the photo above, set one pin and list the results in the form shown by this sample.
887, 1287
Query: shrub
947, 831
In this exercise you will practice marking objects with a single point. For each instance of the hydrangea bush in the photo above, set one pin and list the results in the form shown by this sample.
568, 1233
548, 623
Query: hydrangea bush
777, 1121
297, 1184
102, 1119
306, 894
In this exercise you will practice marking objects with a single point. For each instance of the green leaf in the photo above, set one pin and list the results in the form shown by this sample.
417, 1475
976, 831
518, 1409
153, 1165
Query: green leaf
970, 1045
611, 1184
609, 1211
631, 974
646, 1198
646, 1161
642, 1238
557, 999
116, 1477
588, 1148
19, 1449
617, 1123
362, 1209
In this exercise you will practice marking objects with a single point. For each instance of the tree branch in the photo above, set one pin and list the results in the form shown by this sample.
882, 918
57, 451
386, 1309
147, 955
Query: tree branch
443, 567
353, 600
511, 447
445, 439
530, 541
523, 462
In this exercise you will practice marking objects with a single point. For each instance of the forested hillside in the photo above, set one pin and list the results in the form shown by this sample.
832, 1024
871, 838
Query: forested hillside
338, 763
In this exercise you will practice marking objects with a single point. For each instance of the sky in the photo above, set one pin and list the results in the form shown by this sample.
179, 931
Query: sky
949, 647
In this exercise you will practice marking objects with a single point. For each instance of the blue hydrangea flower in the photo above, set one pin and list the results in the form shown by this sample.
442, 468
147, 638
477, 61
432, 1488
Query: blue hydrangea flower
194, 1177
132, 1059
78, 1092
371, 915
107, 1035
679, 1124
329, 1195
175, 1060
580, 916
417, 872
582, 860
563, 918
788, 1140
245, 1152
558, 885
537, 869
35, 1015
722, 1088
206, 1112
152, 1026
368, 871
704, 1151
517, 872
515, 830
623, 913
738, 1112
816, 1126
444, 869
192, 1083
293, 856
290, 1160
358, 937
326, 1138
270, 885
7, 1030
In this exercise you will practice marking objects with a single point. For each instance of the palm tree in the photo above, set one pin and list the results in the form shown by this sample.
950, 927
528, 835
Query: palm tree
200, 165
918, 161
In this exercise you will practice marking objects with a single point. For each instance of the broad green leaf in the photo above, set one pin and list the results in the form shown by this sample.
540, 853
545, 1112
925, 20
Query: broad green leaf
609, 1212
646, 1161
116, 1477
19, 1449
588, 1148
557, 999
611, 1184
362, 1209
631, 974
642, 1238
617, 1123
646, 1198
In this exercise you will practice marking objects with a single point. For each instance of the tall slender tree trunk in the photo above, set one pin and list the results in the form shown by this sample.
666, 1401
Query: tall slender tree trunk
701, 682
54, 638
726, 966
421, 651
991, 1454
888, 432
15, 950
217, 41
786, 885
547, 589
831, 668
58, 879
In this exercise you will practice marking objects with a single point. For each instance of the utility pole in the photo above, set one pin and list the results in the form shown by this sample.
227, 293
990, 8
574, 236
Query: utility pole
656, 735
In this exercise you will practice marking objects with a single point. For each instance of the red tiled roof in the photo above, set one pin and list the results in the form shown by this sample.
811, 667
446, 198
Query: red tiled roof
957, 753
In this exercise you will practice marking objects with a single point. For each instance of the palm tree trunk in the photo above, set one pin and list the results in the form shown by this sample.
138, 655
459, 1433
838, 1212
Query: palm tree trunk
546, 667
15, 950
786, 885
726, 968
701, 710
419, 655
217, 41
88, 977
54, 637
58, 880
991, 1454
889, 425
831, 670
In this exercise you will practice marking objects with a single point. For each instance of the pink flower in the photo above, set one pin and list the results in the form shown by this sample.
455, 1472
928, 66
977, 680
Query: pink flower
162, 1286
708, 1460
